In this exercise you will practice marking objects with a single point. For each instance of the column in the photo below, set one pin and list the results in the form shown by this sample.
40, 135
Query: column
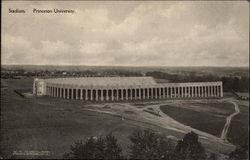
152, 93
174, 90
54, 91
143, 91
164, 93
102, 94
195, 91
212, 91
139, 93
221, 91
72, 93
76, 93
192, 91
91, 94
148, 92
171, 95
63, 96
96, 95
160, 93
209, 90
67, 93
121, 94
107, 94
198, 91
189, 91
126, 92
86, 94
181, 92
202, 91
206, 90
130, 91
112, 94
59, 93
117, 94
80, 94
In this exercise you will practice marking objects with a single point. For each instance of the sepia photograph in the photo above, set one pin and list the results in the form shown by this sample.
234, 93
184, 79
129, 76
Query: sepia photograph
164, 80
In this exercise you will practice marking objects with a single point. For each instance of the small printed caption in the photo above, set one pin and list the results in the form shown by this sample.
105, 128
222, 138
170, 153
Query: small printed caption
43, 11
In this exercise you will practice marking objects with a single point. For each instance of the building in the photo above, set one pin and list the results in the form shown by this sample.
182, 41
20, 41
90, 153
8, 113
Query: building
123, 88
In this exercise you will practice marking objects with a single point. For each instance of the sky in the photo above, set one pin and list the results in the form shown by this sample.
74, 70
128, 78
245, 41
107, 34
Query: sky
127, 33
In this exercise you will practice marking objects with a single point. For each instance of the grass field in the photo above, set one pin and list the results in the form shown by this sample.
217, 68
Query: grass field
54, 124
49, 124
239, 128
208, 117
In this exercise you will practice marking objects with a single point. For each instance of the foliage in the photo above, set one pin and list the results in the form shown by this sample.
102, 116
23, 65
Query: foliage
96, 148
240, 153
189, 148
238, 84
149, 145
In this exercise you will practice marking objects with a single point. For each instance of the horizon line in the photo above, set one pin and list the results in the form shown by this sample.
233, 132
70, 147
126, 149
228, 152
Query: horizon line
109, 65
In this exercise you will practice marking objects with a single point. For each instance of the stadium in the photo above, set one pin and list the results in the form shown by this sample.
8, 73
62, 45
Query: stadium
123, 88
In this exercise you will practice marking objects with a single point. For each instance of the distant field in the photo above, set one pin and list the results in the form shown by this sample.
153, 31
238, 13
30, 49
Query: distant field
209, 117
239, 128
161, 80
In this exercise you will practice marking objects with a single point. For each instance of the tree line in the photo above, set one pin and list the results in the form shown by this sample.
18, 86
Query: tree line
146, 144
233, 83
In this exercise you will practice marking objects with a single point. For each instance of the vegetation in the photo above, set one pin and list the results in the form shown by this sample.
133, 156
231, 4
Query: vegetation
189, 148
96, 148
149, 145
233, 83
145, 144
240, 153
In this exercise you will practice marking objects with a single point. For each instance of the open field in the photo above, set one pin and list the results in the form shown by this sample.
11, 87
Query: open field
204, 119
54, 124
27, 125
239, 128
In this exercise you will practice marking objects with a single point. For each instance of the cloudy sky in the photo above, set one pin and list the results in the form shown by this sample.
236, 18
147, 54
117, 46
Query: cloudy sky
128, 33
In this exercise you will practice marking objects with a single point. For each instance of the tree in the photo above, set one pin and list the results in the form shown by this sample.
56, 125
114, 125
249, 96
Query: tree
149, 145
96, 148
240, 153
112, 148
189, 148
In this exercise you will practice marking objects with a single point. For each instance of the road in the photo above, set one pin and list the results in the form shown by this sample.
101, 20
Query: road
228, 122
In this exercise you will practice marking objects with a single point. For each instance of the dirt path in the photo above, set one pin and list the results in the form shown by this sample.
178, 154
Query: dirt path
228, 122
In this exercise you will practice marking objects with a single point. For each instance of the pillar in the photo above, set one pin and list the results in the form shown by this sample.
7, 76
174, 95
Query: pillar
205, 94
117, 94
139, 93
126, 93
112, 94
221, 91
195, 91
91, 94
202, 91
67, 93
148, 93
171, 95
192, 91
164, 93
107, 94
212, 91
63, 96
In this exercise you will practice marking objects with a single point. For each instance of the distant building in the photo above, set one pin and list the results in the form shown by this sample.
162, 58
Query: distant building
123, 88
